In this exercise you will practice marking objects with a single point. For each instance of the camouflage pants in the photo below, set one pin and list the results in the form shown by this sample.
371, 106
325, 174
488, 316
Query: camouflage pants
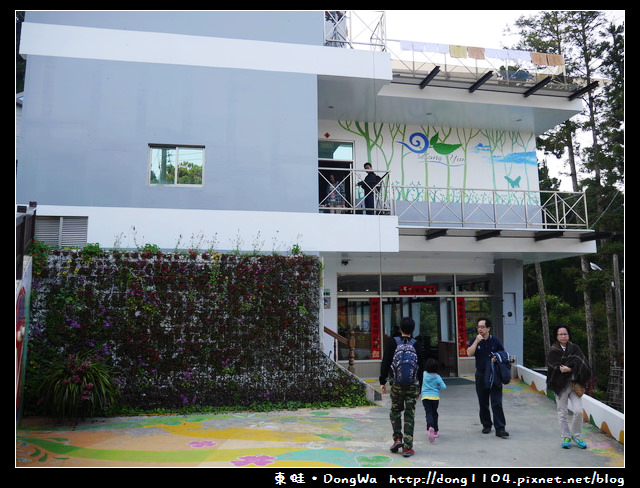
403, 399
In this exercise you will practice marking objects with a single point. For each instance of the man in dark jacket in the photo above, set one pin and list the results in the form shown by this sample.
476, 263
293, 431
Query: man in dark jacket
369, 185
483, 348
403, 397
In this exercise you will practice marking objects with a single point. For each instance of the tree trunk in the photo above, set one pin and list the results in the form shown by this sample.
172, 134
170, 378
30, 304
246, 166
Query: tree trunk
619, 309
588, 315
572, 162
543, 310
611, 321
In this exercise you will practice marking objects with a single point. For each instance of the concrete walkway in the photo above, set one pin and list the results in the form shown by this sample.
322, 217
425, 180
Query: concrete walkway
337, 437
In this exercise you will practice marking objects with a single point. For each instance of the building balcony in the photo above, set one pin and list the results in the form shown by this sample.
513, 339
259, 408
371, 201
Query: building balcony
432, 210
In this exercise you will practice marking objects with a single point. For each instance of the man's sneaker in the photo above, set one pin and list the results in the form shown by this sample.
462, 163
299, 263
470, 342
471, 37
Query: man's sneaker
502, 433
397, 444
581, 444
407, 452
432, 434
486, 430
566, 443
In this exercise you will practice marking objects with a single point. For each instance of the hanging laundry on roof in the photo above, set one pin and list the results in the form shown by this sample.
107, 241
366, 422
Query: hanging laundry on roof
457, 51
411, 46
436, 48
555, 59
495, 53
519, 55
475, 52
539, 58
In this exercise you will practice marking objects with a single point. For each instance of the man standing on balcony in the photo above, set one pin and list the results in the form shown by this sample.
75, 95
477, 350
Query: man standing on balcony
369, 185
483, 348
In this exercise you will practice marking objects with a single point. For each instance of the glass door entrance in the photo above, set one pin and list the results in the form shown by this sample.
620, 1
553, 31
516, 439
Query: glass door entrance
372, 321
435, 326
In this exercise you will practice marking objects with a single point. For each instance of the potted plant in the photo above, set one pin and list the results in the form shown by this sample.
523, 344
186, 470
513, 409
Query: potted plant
79, 386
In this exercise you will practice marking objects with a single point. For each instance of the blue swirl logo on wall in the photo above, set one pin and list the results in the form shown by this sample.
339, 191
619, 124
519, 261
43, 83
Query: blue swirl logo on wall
418, 143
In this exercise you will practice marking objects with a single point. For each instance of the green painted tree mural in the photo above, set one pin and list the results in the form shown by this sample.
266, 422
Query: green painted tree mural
445, 164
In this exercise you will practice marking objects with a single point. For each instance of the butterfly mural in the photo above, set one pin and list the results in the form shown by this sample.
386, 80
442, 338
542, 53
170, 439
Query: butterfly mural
513, 183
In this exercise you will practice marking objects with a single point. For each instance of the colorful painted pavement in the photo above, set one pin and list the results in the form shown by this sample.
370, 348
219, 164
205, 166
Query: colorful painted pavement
338, 437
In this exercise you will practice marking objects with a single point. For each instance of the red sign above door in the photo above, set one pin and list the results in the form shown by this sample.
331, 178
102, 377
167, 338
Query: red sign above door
417, 290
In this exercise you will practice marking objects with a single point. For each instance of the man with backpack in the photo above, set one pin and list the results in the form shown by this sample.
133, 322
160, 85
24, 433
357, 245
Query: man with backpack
402, 363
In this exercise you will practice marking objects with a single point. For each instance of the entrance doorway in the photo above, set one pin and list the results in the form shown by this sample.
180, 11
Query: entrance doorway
445, 308
335, 176
370, 318
435, 326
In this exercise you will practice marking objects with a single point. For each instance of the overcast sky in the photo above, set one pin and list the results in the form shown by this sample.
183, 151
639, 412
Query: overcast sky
478, 28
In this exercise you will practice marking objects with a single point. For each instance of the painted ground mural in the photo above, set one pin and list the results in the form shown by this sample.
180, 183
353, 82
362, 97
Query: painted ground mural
357, 437
419, 157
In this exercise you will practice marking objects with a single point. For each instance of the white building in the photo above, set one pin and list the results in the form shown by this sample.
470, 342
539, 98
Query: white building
224, 129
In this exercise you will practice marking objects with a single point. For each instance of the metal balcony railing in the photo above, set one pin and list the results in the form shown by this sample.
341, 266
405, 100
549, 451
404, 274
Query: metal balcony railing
345, 191
351, 191
366, 29
502, 67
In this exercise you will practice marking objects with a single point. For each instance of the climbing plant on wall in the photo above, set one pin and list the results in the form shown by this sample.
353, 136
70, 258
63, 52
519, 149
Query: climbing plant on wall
187, 329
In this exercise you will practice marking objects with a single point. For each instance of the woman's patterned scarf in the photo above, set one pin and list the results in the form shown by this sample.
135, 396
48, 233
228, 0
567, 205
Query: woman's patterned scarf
571, 356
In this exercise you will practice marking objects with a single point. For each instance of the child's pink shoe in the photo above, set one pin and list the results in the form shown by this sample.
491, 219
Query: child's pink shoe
432, 434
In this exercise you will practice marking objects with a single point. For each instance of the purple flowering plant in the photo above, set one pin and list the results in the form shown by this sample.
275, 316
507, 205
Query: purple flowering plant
186, 329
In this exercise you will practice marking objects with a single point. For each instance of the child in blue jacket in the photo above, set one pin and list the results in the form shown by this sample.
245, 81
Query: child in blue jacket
432, 383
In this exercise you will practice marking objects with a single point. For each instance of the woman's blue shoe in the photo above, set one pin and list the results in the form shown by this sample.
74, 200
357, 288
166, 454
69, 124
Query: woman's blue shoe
581, 444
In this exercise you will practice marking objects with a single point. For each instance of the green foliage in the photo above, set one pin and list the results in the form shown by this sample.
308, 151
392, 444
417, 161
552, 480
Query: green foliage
559, 312
39, 253
187, 331
150, 248
78, 386
91, 251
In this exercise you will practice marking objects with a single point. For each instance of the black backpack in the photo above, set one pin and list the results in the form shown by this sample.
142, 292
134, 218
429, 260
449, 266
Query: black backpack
404, 365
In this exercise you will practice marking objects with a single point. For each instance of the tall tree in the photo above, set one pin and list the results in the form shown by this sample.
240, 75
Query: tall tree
578, 36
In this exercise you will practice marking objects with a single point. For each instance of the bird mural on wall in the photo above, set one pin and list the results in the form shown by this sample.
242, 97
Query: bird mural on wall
441, 147
419, 143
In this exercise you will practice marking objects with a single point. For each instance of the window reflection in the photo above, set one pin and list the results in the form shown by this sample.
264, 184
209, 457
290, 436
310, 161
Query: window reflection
359, 284
335, 150
174, 165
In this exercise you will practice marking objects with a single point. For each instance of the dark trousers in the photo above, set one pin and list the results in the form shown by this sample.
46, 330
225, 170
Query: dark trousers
370, 203
490, 396
431, 412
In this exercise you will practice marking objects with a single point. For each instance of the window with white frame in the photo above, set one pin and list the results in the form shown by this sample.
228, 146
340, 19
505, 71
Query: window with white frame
176, 165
